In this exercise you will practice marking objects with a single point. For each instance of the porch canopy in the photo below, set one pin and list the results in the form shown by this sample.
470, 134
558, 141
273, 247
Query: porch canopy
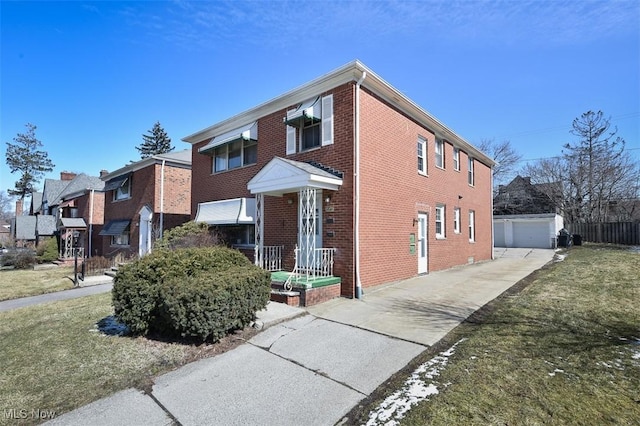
235, 211
72, 223
115, 227
282, 176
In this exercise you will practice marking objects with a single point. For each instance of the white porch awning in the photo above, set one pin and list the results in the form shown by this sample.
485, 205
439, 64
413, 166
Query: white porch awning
248, 132
235, 211
281, 176
309, 109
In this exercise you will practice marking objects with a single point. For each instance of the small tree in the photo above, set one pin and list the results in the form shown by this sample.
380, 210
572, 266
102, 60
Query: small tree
26, 157
156, 141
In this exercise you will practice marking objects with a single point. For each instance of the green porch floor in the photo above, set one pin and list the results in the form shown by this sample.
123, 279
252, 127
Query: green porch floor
281, 276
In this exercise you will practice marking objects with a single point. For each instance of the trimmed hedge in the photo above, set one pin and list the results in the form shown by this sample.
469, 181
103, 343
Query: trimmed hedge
209, 306
139, 289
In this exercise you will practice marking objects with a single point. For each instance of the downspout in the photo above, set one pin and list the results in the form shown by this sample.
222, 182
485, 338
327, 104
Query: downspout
162, 198
492, 230
90, 221
357, 186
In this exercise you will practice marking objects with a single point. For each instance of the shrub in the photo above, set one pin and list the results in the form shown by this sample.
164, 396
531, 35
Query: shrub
47, 250
136, 286
189, 234
210, 305
24, 259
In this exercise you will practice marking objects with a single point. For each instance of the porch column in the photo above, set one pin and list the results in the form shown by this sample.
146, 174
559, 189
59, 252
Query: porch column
307, 226
259, 231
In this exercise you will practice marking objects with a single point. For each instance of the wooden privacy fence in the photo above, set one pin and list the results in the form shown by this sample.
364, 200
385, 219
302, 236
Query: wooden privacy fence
608, 232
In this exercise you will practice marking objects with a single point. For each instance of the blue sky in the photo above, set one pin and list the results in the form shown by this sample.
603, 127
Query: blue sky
95, 76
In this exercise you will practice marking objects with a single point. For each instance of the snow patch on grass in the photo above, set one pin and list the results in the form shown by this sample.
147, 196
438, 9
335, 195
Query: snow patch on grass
413, 391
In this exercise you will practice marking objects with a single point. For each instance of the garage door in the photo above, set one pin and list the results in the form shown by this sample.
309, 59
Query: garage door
498, 234
531, 234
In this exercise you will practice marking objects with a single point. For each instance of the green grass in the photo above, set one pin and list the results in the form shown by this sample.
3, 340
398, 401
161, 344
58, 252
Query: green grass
563, 350
16, 283
53, 358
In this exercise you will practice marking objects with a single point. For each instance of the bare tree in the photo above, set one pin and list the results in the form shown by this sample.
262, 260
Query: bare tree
599, 179
504, 155
6, 203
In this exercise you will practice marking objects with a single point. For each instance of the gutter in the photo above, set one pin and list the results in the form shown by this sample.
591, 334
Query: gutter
357, 186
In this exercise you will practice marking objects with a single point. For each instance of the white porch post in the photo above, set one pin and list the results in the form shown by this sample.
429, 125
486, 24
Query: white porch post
307, 226
259, 231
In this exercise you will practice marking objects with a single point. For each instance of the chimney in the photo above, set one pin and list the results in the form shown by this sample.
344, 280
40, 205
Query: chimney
19, 207
103, 173
67, 175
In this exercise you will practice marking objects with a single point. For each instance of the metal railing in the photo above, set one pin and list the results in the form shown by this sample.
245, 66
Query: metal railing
272, 258
321, 265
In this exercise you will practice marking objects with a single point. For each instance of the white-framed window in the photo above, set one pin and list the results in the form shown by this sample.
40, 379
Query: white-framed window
311, 123
238, 235
235, 154
440, 153
422, 155
456, 220
456, 159
123, 192
121, 239
440, 225
472, 226
471, 177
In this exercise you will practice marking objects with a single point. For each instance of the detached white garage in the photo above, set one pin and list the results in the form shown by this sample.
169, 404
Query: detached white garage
527, 230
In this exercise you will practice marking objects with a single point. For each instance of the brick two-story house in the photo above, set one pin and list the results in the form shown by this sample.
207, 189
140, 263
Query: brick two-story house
142, 200
366, 184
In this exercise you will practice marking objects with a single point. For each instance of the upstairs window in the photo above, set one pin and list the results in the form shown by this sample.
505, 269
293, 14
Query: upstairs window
234, 149
310, 125
440, 153
422, 155
456, 159
440, 211
471, 177
123, 192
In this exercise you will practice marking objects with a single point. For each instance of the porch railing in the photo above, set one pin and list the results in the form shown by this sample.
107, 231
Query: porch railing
272, 258
321, 265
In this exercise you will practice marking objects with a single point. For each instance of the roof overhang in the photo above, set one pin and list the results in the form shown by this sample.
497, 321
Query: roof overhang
235, 211
281, 176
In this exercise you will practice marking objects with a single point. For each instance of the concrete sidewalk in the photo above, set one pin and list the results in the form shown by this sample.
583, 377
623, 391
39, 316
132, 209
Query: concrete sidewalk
313, 369
91, 285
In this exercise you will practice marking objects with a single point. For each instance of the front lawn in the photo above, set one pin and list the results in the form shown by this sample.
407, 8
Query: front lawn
16, 283
55, 359
562, 347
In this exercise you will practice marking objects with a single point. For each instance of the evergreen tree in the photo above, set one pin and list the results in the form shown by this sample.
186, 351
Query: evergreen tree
156, 141
24, 156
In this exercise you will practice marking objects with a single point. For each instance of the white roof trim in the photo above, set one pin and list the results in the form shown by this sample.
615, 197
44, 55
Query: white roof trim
280, 176
234, 211
247, 132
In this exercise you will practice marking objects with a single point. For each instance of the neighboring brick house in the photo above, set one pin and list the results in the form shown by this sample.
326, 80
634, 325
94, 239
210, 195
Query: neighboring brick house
525, 215
143, 199
369, 186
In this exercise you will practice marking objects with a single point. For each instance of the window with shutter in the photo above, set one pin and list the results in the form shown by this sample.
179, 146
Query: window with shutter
291, 140
327, 120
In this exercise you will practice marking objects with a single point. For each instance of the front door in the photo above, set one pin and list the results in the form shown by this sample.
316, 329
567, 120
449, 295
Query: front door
146, 215
423, 260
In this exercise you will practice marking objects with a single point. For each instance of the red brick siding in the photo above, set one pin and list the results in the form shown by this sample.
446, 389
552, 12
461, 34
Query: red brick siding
94, 220
145, 190
280, 217
393, 193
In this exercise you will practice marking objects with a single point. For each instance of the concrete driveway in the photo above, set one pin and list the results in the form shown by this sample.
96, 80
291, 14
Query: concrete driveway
425, 308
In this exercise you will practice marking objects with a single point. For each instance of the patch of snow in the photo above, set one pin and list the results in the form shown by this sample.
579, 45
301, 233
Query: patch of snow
413, 391
635, 249
559, 257
557, 370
